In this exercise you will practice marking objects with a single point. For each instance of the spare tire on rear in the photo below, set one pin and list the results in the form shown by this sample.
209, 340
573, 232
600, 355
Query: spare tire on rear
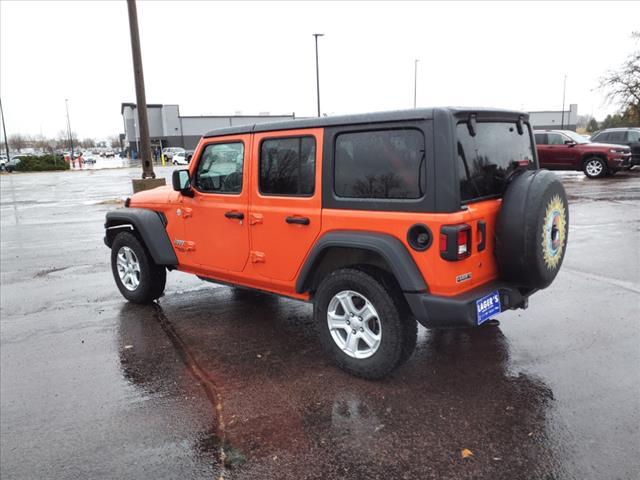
532, 229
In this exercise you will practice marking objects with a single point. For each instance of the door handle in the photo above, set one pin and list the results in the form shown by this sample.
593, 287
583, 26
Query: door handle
298, 220
234, 214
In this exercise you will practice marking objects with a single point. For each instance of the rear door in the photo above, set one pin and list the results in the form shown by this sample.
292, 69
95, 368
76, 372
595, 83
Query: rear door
633, 140
285, 211
485, 161
542, 147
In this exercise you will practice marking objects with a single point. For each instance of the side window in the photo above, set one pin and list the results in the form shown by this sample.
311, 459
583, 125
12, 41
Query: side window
541, 138
617, 136
380, 164
288, 166
599, 137
633, 136
220, 168
555, 139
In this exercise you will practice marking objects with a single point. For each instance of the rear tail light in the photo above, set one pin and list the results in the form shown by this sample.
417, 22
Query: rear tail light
455, 241
463, 243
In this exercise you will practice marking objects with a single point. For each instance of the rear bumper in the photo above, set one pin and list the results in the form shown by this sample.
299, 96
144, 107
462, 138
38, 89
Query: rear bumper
459, 311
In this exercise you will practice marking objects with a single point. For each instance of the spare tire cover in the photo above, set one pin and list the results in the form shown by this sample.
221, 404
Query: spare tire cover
532, 229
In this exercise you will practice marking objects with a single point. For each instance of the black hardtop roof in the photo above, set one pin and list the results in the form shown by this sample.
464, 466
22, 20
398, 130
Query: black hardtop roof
361, 118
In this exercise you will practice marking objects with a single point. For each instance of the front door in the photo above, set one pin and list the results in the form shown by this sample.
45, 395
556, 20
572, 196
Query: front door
215, 229
559, 156
286, 205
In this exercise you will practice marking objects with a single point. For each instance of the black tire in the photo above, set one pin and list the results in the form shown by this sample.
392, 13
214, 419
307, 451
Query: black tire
532, 229
594, 167
152, 277
398, 328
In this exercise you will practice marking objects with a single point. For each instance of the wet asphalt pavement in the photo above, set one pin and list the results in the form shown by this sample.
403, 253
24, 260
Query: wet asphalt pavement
220, 382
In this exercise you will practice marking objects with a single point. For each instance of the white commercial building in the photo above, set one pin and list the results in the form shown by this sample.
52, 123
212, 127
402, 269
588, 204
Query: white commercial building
557, 120
167, 128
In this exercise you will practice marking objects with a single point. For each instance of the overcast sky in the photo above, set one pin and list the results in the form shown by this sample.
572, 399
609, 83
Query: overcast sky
222, 58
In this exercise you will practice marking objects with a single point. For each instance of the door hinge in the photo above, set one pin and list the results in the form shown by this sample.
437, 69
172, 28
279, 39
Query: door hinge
184, 212
255, 218
257, 257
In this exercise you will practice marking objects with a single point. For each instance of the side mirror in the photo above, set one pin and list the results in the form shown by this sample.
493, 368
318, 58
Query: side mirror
571, 143
182, 182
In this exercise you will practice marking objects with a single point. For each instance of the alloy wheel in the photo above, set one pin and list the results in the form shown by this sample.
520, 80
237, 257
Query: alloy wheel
354, 324
128, 268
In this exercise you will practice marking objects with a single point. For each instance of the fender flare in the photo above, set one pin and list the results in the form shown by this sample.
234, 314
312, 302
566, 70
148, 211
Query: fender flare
150, 225
392, 251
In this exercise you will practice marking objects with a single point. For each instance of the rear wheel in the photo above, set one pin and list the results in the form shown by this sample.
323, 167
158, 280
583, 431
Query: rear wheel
363, 324
138, 278
594, 167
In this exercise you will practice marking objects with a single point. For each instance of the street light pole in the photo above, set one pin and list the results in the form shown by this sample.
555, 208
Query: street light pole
316, 35
564, 91
143, 122
4, 130
415, 81
66, 104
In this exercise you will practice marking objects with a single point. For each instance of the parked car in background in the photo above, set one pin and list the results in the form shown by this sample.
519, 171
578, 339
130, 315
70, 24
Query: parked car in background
169, 152
88, 158
182, 158
567, 150
629, 136
13, 163
3, 161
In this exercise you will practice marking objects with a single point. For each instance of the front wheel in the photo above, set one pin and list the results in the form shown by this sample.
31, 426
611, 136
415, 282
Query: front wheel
138, 278
363, 323
595, 167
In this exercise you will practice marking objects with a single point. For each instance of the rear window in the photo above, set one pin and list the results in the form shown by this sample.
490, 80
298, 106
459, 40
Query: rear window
385, 164
486, 160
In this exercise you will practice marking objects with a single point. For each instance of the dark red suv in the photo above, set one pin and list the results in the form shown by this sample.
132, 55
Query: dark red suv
566, 150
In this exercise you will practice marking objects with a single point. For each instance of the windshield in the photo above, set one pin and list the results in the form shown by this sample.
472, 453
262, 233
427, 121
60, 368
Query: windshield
487, 160
576, 137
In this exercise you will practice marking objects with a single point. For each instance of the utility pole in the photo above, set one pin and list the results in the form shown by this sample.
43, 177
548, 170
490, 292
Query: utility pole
316, 35
564, 91
415, 81
4, 130
141, 100
66, 104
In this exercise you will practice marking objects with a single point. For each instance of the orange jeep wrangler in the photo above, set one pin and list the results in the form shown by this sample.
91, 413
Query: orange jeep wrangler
436, 215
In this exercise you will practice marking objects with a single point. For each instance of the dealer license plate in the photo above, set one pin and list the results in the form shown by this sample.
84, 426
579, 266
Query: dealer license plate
488, 306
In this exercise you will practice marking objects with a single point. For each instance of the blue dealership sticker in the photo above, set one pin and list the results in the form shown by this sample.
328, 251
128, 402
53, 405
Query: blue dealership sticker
488, 306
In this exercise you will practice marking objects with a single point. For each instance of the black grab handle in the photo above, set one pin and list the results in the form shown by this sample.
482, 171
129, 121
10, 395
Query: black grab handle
298, 220
236, 215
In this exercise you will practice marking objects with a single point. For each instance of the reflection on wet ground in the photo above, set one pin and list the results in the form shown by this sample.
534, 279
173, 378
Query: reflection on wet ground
221, 382
287, 414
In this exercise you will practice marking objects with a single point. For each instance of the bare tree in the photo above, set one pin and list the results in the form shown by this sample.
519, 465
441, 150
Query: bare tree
88, 143
114, 141
62, 140
623, 85
43, 143
17, 141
